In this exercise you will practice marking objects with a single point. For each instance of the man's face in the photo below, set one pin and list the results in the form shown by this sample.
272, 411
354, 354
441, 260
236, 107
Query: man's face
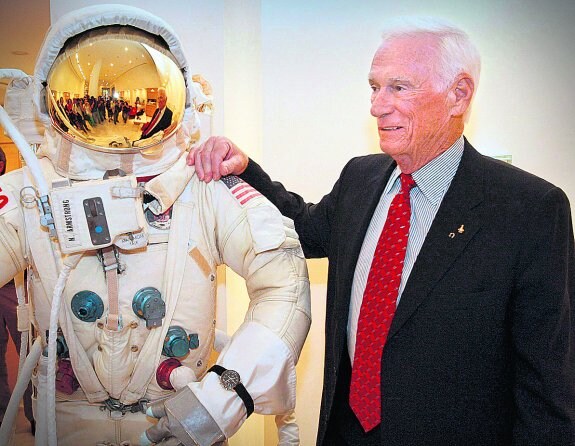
412, 115
162, 99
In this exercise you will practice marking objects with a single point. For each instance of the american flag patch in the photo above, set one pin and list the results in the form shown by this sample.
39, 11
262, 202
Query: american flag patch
241, 190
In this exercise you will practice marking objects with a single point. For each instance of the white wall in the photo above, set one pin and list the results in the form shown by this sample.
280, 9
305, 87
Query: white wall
67, 81
290, 85
316, 97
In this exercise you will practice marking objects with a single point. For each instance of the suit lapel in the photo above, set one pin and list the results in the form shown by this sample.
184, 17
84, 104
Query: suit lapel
154, 121
457, 221
360, 207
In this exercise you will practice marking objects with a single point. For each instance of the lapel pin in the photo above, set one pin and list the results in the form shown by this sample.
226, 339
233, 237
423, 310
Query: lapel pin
460, 230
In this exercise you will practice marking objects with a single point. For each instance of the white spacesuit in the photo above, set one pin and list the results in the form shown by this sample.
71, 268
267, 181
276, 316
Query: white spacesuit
121, 245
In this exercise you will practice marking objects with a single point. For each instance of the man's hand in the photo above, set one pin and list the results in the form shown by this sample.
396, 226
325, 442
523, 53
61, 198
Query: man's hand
217, 157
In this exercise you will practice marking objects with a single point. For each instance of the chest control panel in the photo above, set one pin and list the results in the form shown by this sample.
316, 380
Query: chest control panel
96, 219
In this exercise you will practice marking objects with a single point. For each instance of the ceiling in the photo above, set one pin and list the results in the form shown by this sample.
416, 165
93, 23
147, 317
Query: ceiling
117, 58
23, 25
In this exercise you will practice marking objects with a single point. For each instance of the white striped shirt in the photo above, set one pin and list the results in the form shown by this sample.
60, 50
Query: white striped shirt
432, 180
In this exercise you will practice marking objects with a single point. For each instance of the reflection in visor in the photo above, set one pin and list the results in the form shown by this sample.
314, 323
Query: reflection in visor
116, 89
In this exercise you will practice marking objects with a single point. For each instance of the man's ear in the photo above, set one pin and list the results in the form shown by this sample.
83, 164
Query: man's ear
461, 94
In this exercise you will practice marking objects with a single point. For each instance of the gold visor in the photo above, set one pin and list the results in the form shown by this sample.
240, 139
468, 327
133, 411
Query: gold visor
116, 89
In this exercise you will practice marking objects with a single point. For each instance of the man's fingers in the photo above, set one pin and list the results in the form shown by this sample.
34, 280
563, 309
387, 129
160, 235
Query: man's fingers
191, 158
203, 159
213, 155
218, 154
197, 159
217, 157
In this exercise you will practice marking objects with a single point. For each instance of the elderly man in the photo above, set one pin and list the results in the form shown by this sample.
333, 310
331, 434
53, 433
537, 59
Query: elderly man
161, 119
454, 326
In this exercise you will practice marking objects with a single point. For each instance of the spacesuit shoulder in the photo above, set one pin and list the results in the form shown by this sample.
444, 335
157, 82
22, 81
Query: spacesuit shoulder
12, 258
10, 186
265, 222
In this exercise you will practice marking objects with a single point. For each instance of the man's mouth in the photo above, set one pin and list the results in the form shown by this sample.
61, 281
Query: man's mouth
390, 128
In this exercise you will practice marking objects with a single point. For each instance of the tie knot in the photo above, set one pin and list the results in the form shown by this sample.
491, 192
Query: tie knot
407, 182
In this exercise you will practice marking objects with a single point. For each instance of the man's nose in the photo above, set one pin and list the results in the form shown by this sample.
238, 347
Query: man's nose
381, 103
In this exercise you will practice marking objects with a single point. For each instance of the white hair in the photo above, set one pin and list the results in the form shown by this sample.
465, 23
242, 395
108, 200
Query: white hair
456, 53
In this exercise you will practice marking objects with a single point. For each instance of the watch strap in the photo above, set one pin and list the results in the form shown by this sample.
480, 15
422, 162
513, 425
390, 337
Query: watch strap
238, 387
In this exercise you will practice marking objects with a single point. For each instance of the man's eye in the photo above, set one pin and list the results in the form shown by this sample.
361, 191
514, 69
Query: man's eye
398, 88
373, 87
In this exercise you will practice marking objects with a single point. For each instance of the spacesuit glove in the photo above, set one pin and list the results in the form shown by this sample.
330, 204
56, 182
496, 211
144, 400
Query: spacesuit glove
182, 420
288, 429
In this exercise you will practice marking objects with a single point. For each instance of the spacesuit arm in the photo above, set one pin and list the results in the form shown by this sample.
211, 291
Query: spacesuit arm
12, 259
260, 245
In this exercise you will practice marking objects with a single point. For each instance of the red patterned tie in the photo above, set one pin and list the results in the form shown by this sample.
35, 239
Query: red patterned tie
152, 123
378, 308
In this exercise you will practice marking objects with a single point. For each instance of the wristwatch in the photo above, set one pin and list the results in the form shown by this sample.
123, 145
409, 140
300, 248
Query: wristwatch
230, 380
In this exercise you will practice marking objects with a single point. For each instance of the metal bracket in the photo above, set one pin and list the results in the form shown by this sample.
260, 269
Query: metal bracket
120, 267
43, 203
114, 405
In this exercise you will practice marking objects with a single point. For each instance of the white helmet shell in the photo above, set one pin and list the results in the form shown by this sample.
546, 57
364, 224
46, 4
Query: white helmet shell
78, 160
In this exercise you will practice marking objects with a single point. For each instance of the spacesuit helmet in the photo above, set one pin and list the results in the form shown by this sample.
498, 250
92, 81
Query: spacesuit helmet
102, 77
115, 88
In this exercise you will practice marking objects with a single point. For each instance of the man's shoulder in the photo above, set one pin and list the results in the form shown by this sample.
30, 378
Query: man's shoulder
505, 181
514, 178
369, 164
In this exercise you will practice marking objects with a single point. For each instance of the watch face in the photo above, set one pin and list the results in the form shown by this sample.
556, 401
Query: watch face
230, 379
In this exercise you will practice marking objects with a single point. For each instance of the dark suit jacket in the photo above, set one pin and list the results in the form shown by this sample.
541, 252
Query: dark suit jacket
482, 346
162, 124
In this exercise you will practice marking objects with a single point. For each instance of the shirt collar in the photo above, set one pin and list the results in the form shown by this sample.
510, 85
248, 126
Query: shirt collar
434, 178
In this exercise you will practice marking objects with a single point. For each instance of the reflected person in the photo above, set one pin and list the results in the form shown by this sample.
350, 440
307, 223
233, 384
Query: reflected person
161, 119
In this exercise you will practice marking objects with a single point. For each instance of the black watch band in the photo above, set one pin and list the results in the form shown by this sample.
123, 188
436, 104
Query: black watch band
230, 380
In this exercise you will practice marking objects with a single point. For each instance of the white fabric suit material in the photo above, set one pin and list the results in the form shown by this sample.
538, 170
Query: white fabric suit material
208, 226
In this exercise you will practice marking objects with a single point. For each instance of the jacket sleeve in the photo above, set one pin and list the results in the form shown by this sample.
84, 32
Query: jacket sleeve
543, 326
313, 222
253, 239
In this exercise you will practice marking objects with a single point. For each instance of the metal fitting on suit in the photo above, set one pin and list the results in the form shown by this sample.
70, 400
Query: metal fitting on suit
148, 305
164, 371
87, 306
176, 343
